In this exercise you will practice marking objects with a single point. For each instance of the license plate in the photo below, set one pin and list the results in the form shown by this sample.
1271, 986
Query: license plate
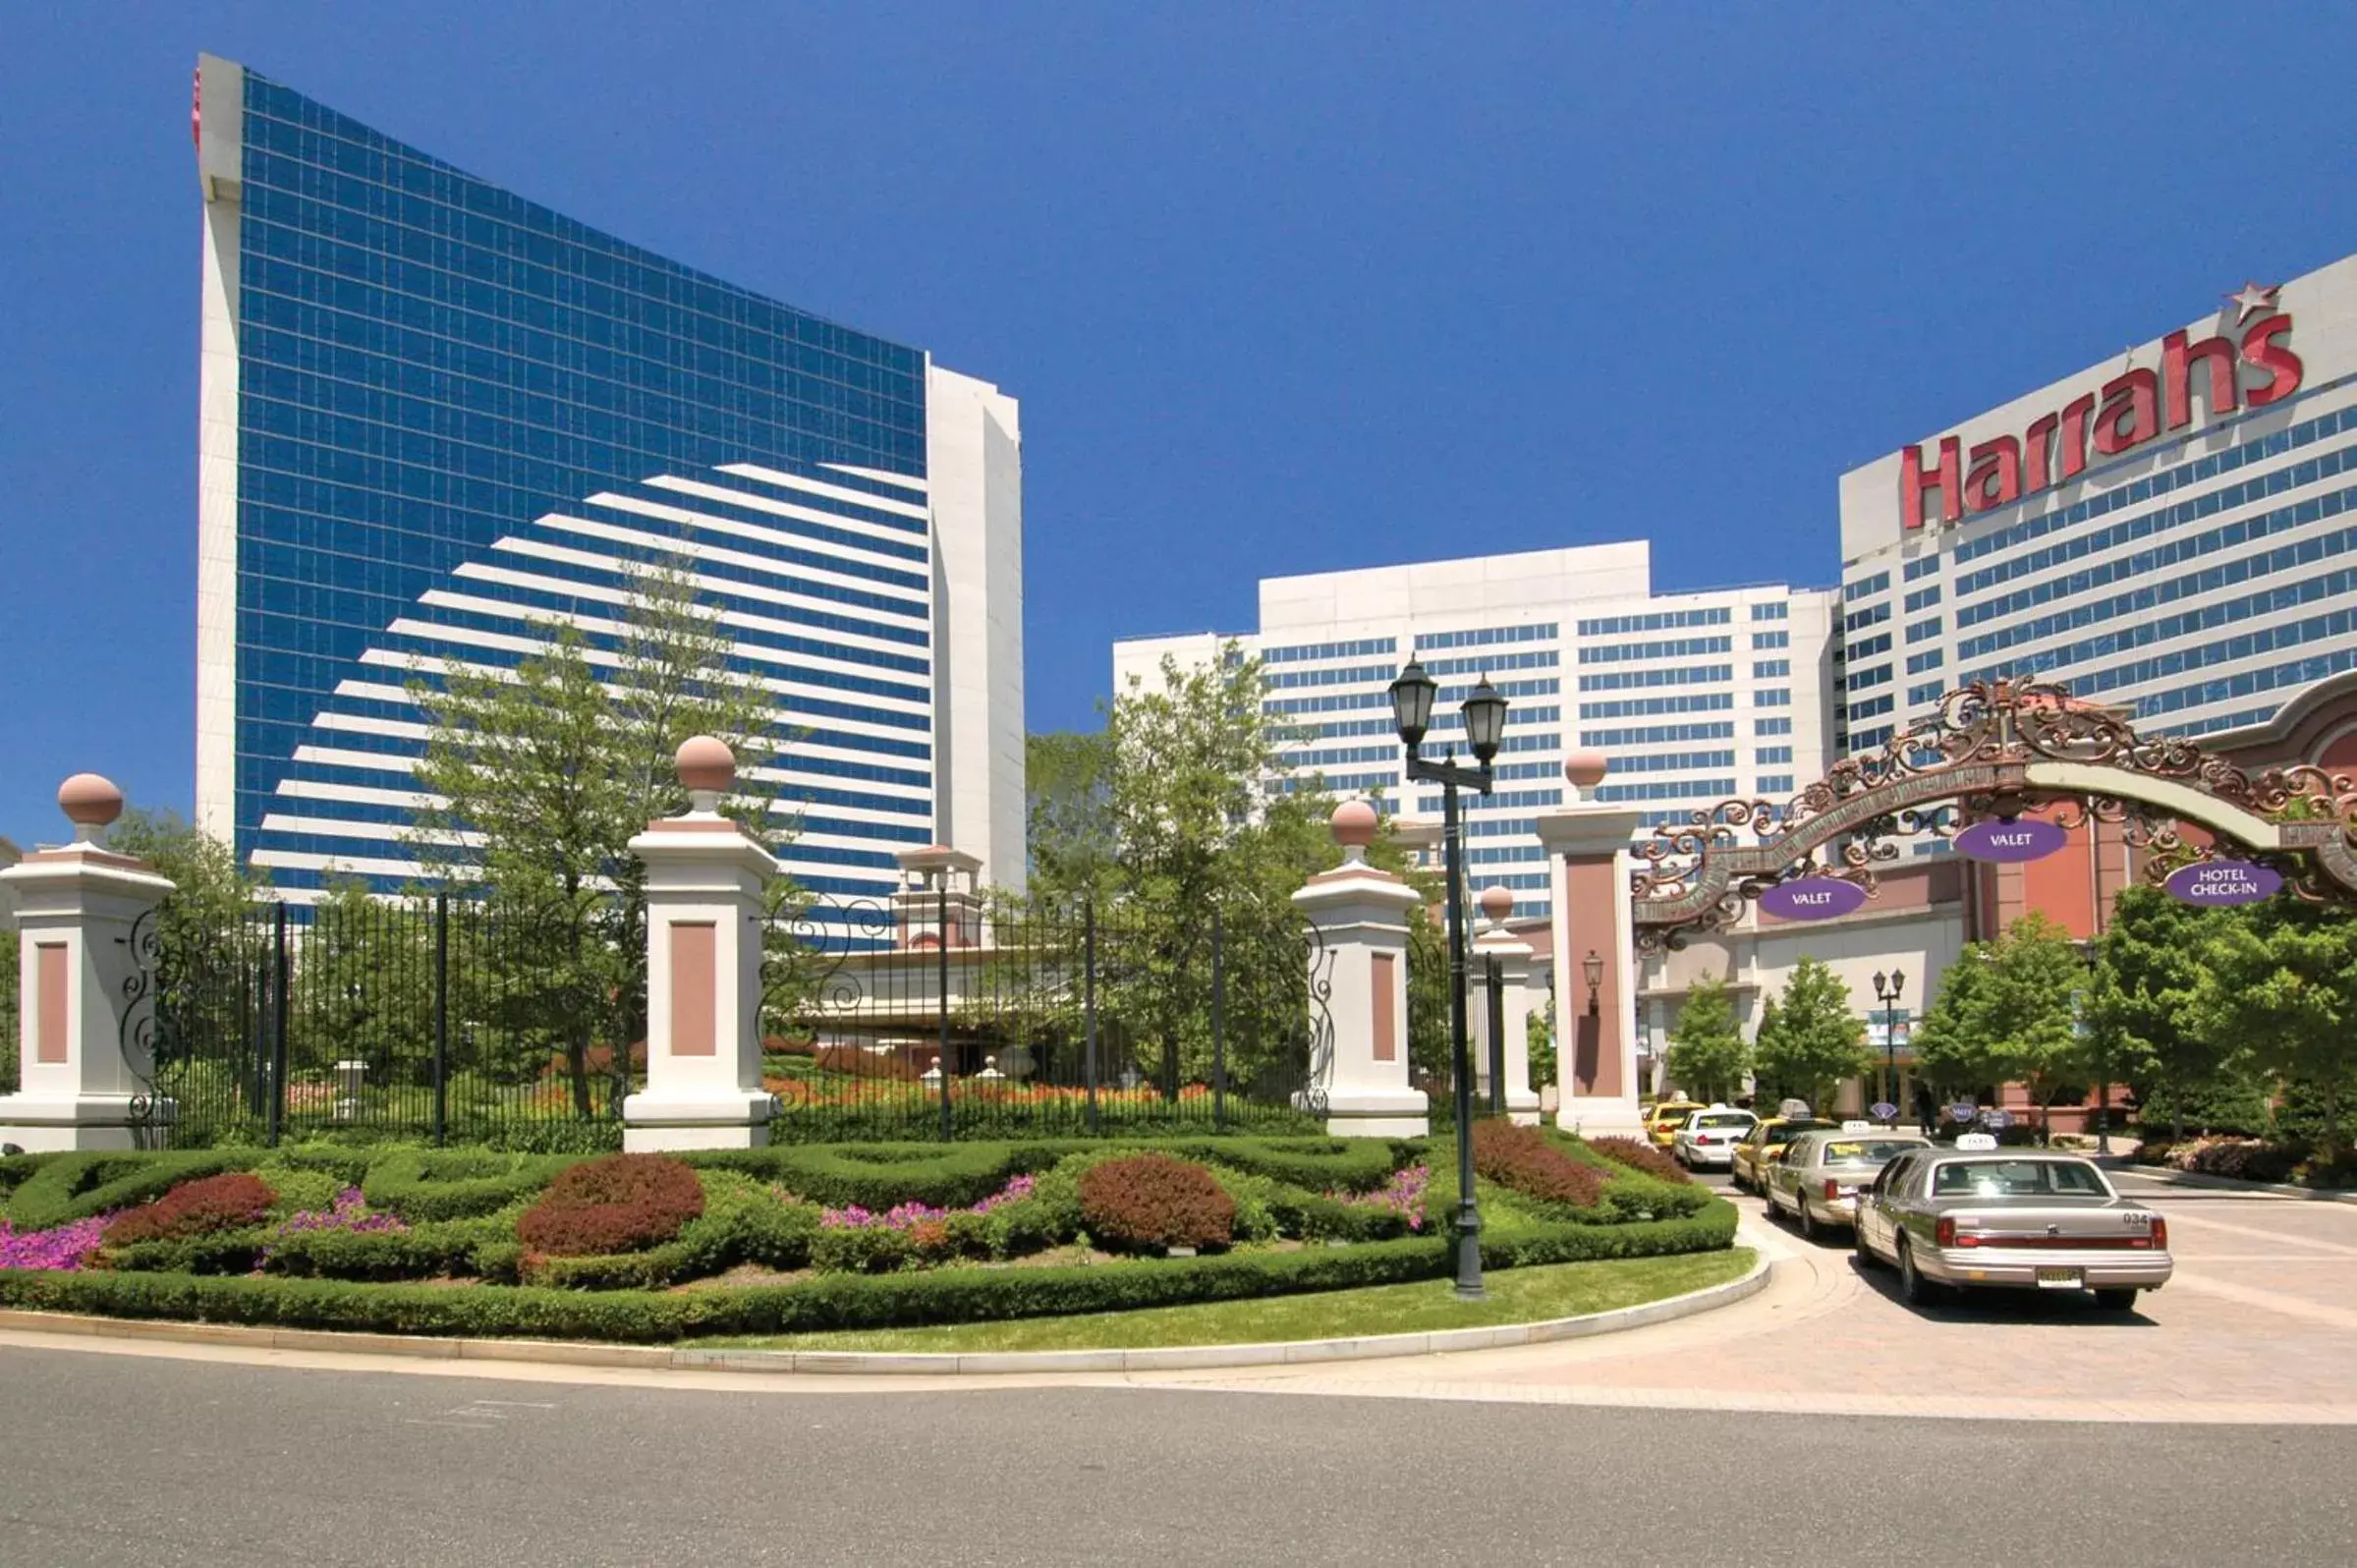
2060, 1278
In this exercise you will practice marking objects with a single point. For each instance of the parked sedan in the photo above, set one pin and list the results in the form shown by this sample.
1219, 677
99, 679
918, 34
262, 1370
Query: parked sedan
1764, 1146
1709, 1137
1819, 1179
1663, 1122
2020, 1219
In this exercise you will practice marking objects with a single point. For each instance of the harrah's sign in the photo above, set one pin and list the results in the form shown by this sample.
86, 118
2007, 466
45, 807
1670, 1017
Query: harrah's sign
2132, 408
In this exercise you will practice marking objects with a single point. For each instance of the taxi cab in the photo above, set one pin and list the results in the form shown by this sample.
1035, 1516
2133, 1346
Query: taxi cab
1663, 1122
1765, 1145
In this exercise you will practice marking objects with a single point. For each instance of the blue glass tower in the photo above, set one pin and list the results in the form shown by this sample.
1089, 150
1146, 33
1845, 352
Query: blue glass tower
438, 417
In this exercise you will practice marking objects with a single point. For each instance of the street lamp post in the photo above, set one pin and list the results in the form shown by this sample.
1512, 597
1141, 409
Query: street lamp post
1886, 992
1412, 696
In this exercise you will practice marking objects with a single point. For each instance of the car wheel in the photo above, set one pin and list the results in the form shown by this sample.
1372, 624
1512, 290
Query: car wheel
1866, 1254
1806, 1220
2119, 1300
1913, 1285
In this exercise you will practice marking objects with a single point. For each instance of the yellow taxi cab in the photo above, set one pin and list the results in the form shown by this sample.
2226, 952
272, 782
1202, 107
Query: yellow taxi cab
1765, 1145
1663, 1122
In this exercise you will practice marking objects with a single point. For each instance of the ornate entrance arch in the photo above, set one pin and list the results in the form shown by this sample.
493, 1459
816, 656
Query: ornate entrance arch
1996, 748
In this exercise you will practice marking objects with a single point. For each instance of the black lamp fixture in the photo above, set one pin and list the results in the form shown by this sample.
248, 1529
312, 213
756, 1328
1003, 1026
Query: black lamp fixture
1413, 695
1593, 969
1887, 990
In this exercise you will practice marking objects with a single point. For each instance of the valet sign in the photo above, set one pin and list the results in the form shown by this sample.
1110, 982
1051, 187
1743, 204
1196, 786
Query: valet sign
2010, 843
1813, 898
2218, 883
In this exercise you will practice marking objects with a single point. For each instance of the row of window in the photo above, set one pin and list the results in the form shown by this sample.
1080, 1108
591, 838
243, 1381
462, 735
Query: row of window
1868, 647
1328, 756
1928, 692
2308, 588
1681, 675
1542, 713
1869, 740
1864, 587
1771, 669
1923, 630
1654, 734
1336, 703
1544, 632
2248, 645
1667, 648
1345, 782
1922, 598
1772, 696
1860, 680
1505, 854
1672, 762
2097, 540
1769, 639
1668, 790
1656, 621
1772, 726
1871, 707
1545, 658
1318, 653
1515, 770
1776, 783
1922, 566
1772, 610
1500, 801
2305, 433
1928, 659
1348, 675
1765, 755
1449, 696
1859, 620
1647, 706
2143, 563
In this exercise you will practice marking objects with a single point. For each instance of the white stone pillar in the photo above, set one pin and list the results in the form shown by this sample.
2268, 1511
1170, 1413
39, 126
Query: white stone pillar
1513, 957
1596, 1025
704, 912
82, 1056
1358, 989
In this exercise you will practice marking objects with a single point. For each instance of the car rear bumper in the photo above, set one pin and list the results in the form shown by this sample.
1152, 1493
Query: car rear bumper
1697, 1154
2020, 1271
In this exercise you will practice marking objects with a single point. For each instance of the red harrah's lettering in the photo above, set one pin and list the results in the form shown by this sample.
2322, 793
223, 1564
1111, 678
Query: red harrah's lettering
2133, 408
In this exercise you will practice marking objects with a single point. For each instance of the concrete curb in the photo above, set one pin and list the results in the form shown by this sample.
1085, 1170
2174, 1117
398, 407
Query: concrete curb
1178, 1358
2228, 1184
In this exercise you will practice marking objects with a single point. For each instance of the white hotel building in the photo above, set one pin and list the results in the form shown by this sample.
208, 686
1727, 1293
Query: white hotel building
1695, 698
2173, 531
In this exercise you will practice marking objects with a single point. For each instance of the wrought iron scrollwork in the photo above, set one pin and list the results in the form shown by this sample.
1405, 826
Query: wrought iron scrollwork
1317, 1073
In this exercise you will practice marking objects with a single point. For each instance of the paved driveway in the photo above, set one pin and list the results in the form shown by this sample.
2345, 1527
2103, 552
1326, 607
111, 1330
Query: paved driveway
2260, 1324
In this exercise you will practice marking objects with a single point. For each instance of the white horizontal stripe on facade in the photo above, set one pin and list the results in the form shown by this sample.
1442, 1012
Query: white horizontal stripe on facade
697, 549
372, 692
363, 724
814, 839
356, 865
616, 566
393, 833
920, 487
833, 492
782, 773
361, 795
851, 813
754, 530
371, 762
803, 514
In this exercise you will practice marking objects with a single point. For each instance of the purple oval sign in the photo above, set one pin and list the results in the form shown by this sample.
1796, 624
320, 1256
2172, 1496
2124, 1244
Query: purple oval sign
2009, 843
2213, 883
1812, 898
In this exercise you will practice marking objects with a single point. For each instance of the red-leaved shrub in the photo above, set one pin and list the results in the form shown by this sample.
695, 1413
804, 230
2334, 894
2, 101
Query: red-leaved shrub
1522, 1160
1640, 1156
1155, 1200
196, 1209
619, 1204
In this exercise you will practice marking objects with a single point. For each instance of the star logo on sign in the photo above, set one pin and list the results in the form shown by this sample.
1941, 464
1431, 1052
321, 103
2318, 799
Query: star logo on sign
2251, 298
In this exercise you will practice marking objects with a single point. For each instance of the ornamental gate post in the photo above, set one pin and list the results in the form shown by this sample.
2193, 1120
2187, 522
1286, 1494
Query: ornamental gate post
704, 926
1359, 962
85, 937
1587, 845
1513, 958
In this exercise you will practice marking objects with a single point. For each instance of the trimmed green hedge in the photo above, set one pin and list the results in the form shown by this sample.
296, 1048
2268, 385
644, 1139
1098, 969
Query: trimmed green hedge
830, 1301
428, 1184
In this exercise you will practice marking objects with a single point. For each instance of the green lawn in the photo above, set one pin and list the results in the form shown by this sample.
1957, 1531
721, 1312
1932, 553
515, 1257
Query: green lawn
1516, 1296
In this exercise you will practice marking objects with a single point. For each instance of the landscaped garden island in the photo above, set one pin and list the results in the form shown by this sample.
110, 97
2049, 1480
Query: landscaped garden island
808, 1239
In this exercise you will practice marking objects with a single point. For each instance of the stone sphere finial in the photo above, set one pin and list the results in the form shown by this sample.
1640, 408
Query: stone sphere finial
1585, 770
91, 803
1497, 903
707, 769
1355, 825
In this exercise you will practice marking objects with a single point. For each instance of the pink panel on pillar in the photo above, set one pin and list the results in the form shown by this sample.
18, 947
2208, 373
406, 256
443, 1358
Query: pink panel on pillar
1593, 892
695, 975
49, 1002
1386, 1010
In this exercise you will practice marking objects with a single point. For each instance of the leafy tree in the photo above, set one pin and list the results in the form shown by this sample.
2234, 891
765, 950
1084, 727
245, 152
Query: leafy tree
1952, 1046
2281, 980
541, 775
2009, 1011
2140, 1027
1811, 1039
1070, 828
364, 987
1541, 1038
1707, 1055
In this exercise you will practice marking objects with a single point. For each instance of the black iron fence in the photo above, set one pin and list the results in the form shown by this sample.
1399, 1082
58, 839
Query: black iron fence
1075, 1020
522, 1022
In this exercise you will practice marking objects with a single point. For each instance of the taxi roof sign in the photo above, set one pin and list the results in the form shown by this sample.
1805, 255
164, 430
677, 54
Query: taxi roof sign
1857, 1127
1976, 1143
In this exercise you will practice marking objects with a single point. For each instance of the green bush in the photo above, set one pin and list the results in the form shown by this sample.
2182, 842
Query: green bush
419, 1184
422, 1252
828, 1301
86, 1182
742, 1222
230, 1200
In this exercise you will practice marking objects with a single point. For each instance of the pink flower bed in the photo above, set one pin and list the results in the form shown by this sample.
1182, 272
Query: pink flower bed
1403, 1195
907, 1216
66, 1248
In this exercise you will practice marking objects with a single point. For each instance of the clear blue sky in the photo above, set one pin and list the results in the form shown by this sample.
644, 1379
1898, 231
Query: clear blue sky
1339, 286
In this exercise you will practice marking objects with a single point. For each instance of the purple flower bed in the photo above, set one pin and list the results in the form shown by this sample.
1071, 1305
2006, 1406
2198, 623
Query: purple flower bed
909, 1216
348, 1212
66, 1248
1403, 1195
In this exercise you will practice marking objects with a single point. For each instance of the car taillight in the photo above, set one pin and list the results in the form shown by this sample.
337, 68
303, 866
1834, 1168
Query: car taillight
2159, 1232
1943, 1232
1833, 1188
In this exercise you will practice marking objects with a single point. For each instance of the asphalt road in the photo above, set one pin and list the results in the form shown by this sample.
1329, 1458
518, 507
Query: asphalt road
133, 1460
